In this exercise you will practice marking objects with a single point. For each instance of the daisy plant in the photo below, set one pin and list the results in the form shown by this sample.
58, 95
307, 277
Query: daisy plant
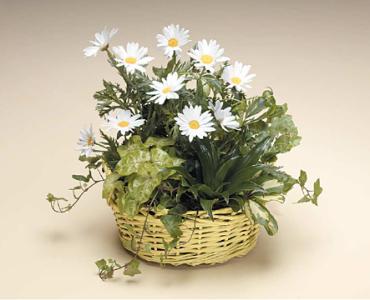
185, 138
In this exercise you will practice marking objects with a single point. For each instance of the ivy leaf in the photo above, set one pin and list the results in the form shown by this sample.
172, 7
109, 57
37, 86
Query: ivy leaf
51, 198
163, 160
317, 190
168, 246
101, 263
111, 185
302, 178
132, 268
131, 160
106, 268
139, 191
172, 224
285, 133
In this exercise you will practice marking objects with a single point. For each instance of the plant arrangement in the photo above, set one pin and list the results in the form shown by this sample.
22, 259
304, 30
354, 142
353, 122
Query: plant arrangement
187, 139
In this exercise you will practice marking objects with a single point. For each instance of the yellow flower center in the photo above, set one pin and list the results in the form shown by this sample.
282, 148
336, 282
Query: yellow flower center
194, 124
123, 124
236, 80
166, 90
206, 59
131, 60
90, 141
173, 42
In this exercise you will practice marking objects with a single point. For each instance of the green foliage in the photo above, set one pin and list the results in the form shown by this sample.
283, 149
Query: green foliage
168, 246
110, 98
107, 267
172, 224
112, 186
309, 195
285, 133
110, 156
132, 268
144, 166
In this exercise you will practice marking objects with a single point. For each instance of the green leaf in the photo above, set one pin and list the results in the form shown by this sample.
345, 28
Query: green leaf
285, 133
159, 142
304, 199
163, 160
131, 160
81, 178
172, 224
139, 191
263, 217
111, 185
207, 205
317, 190
168, 246
158, 72
110, 156
209, 158
107, 268
244, 167
204, 190
199, 91
255, 109
51, 198
178, 209
254, 155
132, 268
241, 180
101, 263
237, 204
302, 178
144, 167
131, 244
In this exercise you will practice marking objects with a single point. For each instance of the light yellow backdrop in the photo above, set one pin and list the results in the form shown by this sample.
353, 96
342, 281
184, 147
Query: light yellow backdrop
315, 55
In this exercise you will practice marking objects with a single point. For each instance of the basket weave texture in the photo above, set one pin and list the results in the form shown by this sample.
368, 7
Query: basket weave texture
203, 241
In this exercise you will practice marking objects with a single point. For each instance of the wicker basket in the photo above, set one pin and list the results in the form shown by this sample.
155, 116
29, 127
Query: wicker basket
203, 241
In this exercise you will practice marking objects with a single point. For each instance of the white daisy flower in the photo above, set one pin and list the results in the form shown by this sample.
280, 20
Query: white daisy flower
237, 76
194, 123
224, 116
207, 55
133, 57
86, 142
123, 121
167, 88
101, 42
172, 39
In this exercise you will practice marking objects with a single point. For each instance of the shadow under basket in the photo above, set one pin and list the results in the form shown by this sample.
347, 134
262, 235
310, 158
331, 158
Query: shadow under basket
231, 234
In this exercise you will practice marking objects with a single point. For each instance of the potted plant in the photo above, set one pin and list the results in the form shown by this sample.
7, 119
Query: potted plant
187, 160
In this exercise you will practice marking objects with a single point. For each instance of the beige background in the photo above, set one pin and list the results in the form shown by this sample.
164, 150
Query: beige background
315, 54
